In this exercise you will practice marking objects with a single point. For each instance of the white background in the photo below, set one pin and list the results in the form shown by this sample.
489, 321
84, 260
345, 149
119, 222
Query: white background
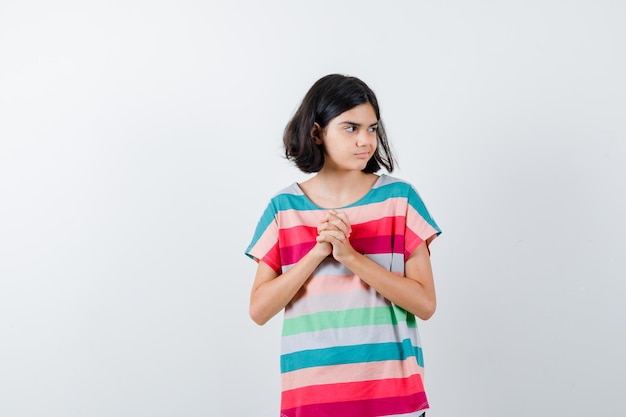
140, 141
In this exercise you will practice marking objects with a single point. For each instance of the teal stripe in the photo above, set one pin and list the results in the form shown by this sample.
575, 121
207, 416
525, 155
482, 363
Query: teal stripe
375, 195
379, 194
417, 203
289, 201
339, 319
294, 202
268, 216
341, 355
278, 203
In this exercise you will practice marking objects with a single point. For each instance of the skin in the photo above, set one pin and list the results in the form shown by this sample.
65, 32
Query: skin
349, 142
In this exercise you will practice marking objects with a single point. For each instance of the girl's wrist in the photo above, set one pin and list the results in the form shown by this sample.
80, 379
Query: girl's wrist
319, 252
347, 258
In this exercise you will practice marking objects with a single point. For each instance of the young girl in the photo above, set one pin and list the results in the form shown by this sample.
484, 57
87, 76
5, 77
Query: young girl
345, 254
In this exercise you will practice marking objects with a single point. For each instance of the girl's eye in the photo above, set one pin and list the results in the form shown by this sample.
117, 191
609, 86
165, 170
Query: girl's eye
373, 128
351, 129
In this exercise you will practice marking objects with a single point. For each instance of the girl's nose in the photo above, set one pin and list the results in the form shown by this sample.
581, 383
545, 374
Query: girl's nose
365, 137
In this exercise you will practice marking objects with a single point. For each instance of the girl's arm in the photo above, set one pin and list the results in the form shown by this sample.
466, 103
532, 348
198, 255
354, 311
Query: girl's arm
271, 292
415, 292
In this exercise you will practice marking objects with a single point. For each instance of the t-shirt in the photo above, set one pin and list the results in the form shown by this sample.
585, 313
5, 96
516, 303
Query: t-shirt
345, 349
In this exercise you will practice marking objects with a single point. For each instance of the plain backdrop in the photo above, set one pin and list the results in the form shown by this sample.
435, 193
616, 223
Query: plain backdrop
141, 140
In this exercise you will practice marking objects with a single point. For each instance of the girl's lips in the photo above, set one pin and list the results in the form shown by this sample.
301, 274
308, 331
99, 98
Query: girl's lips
362, 155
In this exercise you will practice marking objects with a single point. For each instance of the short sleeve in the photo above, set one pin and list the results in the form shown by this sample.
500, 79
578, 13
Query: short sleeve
420, 225
264, 244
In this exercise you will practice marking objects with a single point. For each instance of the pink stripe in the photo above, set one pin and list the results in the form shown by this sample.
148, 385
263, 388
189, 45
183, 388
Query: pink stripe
419, 225
292, 254
365, 238
365, 408
335, 284
350, 372
294, 218
357, 214
272, 259
393, 225
391, 207
378, 244
297, 235
352, 391
266, 242
369, 245
412, 242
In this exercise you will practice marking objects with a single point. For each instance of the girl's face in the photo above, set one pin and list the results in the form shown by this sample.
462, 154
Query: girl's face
350, 139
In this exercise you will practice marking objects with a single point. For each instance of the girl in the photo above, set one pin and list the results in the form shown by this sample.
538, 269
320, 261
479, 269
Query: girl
345, 254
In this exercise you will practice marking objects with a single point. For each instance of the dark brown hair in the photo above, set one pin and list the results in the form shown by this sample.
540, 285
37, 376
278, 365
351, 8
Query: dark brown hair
326, 99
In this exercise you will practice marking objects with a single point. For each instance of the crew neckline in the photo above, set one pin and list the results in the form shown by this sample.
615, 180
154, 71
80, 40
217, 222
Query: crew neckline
357, 201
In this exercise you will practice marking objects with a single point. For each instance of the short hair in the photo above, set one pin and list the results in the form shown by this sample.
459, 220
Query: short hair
330, 96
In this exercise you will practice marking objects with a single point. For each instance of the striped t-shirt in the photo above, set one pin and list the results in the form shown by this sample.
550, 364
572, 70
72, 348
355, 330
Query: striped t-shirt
346, 350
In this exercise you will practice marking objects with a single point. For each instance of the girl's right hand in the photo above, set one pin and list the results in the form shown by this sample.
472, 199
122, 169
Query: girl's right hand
322, 249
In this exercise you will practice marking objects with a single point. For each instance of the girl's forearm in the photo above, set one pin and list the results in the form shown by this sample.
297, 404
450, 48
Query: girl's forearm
405, 291
269, 298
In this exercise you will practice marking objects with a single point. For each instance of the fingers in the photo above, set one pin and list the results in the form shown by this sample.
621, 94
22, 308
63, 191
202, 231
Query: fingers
343, 218
335, 229
335, 221
331, 236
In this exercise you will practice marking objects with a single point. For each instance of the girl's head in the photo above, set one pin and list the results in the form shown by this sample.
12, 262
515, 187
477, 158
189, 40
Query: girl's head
329, 97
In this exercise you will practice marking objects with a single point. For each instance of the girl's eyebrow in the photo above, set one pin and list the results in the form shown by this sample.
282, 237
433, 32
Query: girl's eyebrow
356, 124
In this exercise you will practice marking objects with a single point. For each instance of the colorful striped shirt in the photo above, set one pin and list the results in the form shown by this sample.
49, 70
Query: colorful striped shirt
346, 350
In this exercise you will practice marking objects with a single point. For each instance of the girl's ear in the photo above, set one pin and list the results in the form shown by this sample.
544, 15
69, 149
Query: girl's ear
316, 134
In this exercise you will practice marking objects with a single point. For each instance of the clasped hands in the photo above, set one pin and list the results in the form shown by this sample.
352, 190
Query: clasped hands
333, 234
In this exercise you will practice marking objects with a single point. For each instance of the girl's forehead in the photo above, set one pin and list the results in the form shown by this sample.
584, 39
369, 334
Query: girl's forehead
363, 114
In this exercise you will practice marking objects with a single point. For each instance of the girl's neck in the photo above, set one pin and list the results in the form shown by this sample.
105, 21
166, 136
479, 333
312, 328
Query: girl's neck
334, 190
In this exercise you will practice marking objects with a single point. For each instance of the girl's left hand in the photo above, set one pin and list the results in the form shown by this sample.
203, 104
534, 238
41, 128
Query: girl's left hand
335, 229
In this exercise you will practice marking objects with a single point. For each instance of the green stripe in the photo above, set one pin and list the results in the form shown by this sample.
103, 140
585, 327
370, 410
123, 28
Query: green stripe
340, 355
348, 318
344, 318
